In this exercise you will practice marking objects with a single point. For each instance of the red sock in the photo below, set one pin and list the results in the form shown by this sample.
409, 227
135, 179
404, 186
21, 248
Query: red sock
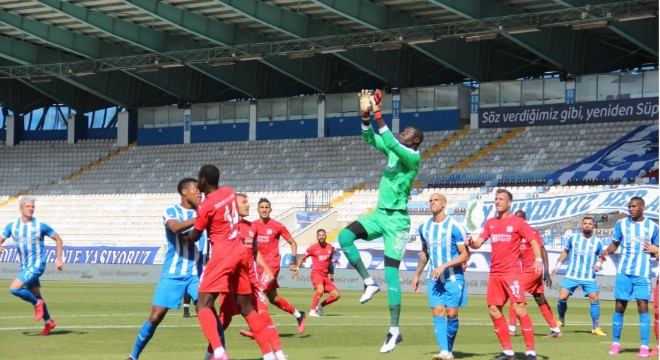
329, 301
315, 300
547, 315
512, 316
257, 327
208, 320
502, 332
527, 331
271, 330
281, 303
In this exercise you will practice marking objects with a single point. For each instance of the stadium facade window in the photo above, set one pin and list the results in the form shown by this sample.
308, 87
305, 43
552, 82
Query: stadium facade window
446, 97
489, 94
425, 99
510, 93
586, 88
408, 100
608, 86
650, 87
532, 92
554, 91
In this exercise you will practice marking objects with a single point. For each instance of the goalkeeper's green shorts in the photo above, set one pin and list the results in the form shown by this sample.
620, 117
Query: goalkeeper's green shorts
392, 225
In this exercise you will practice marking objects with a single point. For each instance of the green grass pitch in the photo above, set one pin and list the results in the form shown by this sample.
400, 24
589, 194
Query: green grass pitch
100, 321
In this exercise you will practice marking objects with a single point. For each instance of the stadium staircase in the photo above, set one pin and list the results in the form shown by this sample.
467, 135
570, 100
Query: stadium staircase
483, 152
100, 162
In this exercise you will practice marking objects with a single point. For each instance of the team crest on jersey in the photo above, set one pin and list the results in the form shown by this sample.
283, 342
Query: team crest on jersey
509, 229
251, 233
269, 232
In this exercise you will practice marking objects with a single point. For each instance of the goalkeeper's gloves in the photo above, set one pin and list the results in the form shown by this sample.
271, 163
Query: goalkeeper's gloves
365, 103
376, 100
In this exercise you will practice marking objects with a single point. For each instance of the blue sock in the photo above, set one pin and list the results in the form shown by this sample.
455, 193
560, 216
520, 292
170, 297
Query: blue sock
452, 330
145, 334
25, 294
46, 313
562, 306
644, 325
594, 310
440, 327
617, 326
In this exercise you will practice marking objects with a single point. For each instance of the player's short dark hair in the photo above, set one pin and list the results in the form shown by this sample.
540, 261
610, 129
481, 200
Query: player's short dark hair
319, 230
638, 199
592, 219
500, 191
184, 183
211, 174
263, 200
521, 214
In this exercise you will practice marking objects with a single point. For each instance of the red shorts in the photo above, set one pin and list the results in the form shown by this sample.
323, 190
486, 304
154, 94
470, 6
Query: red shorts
273, 283
228, 305
226, 274
504, 287
328, 285
533, 283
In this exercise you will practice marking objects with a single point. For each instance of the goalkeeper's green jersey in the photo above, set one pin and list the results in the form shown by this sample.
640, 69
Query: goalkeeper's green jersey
400, 171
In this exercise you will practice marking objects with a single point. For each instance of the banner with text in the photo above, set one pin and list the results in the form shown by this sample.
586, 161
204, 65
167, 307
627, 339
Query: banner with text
554, 209
137, 255
577, 113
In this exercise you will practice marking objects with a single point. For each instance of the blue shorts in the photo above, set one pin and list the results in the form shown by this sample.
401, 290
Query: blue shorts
452, 294
588, 286
631, 287
170, 290
30, 276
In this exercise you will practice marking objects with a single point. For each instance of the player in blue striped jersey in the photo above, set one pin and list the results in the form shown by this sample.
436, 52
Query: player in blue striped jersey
443, 245
633, 278
28, 234
182, 266
583, 251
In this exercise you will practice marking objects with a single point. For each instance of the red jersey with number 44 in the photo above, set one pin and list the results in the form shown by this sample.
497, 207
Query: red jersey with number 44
321, 258
506, 237
268, 238
527, 254
218, 215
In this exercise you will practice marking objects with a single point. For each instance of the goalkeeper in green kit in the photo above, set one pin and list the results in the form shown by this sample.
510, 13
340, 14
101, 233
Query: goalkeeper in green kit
390, 220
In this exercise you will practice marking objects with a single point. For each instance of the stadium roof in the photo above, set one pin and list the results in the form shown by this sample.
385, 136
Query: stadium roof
92, 54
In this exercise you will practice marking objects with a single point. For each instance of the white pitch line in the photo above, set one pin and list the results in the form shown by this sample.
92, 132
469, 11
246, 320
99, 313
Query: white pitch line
18, 328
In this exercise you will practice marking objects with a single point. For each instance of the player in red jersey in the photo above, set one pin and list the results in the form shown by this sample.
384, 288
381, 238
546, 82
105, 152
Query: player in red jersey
269, 232
533, 284
321, 254
653, 250
247, 234
226, 272
506, 277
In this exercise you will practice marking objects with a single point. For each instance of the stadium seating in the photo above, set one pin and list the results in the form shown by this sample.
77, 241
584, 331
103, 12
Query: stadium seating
120, 199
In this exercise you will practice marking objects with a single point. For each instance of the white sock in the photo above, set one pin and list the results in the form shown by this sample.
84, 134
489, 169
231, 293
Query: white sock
369, 281
512, 328
556, 329
394, 330
533, 353
219, 352
186, 305
269, 356
509, 352
279, 354
296, 313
